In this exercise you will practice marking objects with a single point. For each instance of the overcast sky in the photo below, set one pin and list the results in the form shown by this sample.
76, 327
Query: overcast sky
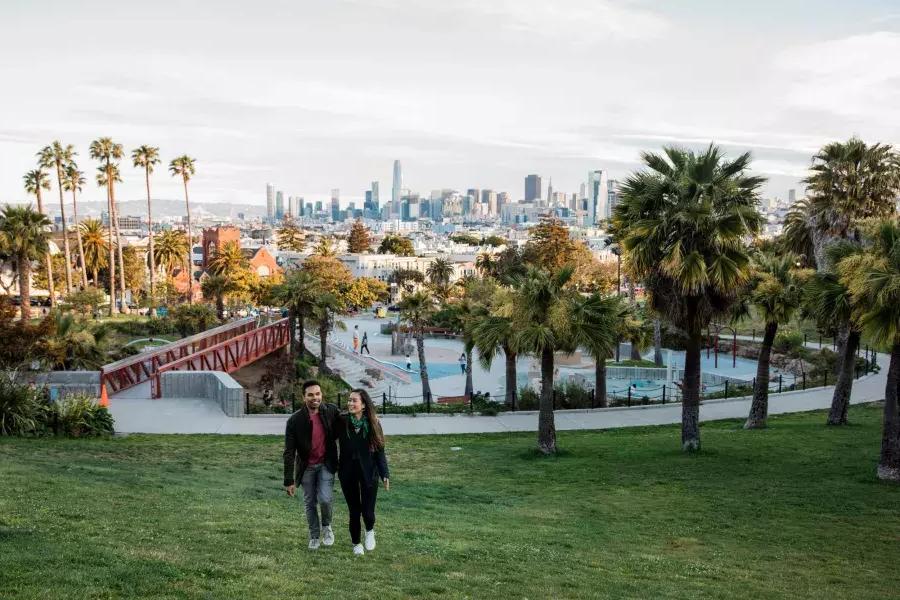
313, 95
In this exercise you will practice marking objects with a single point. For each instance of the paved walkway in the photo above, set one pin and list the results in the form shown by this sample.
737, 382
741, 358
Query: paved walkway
134, 413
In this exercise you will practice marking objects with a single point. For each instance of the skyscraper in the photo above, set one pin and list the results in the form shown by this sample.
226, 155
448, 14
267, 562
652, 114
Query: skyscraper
270, 202
279, 205
375, 195
792, 196
336, 205
395, 189
489, 198
597, 190
532, 188
550, 192
290, 207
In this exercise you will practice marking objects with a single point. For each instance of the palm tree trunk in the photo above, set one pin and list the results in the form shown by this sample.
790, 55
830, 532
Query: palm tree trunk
600, 381
51, 288
190, 273
841, 399
469, 387
889, 463
96, 278
65, 230
115, 222
220, 306
690, 403
84, 280
323, 347
113, 309
759, 409
546, 423
635, 351
301, 327
510, 375
423, 370
292, 328
150, 235
24, 267
657, 343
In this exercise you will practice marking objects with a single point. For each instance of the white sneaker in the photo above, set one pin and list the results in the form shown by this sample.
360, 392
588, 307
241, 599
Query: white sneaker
328, 536
314, 544
358, 550
370, 540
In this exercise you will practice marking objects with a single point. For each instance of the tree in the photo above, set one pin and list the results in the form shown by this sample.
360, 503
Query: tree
290, 236
147, 157
40, 278
135, 270
333, 275
365, 291
682, 226
171, 248
775, 292
86, 301
95, 248
193, 318
74, 182
325, 248
485, 264
24, 234
298, 293
106, 151
406, 279
873, 279
396, 244
326, 306
58, 157
35, 181
549, 246
228, 259
359, 239
439, 273
216, 288
416, 309
594, 323
71, 345
185, 167
493, 332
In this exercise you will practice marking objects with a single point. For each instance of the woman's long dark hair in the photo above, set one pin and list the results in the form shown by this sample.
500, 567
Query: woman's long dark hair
376, 434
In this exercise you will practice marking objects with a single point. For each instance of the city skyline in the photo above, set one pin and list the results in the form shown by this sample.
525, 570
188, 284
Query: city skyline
784, 85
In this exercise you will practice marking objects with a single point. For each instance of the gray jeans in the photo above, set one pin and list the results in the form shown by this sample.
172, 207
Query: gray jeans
318, 488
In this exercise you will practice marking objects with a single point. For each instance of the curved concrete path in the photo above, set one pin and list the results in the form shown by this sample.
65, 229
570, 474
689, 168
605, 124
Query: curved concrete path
136, 414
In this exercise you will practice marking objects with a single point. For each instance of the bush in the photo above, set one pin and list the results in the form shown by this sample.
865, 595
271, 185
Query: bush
78, 416
528, 399
20, 407
144, 327
193, 318
572, 395
24, 411
788, 342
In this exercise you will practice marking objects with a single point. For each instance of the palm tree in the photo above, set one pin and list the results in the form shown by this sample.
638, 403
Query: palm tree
35, 181
228, 260
683, 226
147, 157
492, 333
465, 314
439, 273
58, 157
326, 306
217, 287
416, 309
873, 279
74, 346
325, 247
776, 295
74, 182
298, 293
106, 151
95, 248
185, 167
594, 322
24, 235
486, 265
170, 250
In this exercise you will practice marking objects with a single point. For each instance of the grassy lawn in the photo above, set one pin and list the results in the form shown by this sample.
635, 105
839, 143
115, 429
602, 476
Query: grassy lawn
790, 512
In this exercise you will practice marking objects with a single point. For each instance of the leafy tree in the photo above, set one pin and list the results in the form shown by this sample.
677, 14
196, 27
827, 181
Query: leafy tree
36, 181
465, 238
193, 318
682, 226
325, 248
58, 157
550, 246
40, 277
135, 270
147, 157
86, 301
494, 240
359, 240
416, 309
25, 334
333, 275
407, 279
185, 167
106, 151
365, 291
24, 235
396, 244
290, 236
228, 259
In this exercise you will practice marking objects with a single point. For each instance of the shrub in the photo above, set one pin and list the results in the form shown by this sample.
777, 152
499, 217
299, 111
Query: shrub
78, 416
20, 407
528, 399
788, 342
193, 318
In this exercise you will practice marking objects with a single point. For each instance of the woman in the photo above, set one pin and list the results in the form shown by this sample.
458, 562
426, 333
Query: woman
462, 363
361, 462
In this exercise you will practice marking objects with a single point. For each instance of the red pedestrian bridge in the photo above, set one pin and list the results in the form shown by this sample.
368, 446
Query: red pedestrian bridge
226, 348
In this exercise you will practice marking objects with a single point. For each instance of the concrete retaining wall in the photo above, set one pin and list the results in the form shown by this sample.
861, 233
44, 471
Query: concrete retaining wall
214, 385
62, 384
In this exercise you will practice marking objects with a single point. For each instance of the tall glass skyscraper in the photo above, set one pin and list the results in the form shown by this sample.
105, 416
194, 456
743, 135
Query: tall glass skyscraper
532, 188
395, 189
270, 202
279, 205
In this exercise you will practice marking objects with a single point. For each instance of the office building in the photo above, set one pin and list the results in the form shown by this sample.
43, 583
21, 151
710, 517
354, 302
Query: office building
279, 205
396, 192
336, 205
532, 188
375, 199
270, 202
598, 190
612, 197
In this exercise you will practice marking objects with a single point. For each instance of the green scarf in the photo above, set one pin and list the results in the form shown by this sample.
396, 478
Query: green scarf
360, 424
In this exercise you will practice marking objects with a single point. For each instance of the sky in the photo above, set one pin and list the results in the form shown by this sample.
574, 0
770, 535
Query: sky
313, 95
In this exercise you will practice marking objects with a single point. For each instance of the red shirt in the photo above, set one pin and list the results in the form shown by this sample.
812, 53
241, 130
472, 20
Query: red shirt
317, 445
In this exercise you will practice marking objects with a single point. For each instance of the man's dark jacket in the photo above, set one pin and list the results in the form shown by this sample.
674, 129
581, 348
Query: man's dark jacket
298, 441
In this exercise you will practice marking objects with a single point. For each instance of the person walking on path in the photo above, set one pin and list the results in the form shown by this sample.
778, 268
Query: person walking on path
310, 457
365, 343
462, 363
355, 339
362, 462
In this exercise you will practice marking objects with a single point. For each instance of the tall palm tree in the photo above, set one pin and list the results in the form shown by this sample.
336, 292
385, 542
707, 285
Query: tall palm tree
147, 157
107, 151
873, 278
217, 287
95, 248
439, 273
298, 293
416, 309
683, 225
185, 167
24, 235
170, 250
35, 181
492, 333
485, 264
594, 323
58, 157
228, 259
74, 182
776, 295
326, 306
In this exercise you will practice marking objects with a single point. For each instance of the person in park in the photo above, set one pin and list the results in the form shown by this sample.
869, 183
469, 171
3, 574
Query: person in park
365, 343
362, 463
311, 457
355, 339
462, 363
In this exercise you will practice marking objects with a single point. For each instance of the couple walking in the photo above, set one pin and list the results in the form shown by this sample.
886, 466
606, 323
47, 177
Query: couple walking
319, 442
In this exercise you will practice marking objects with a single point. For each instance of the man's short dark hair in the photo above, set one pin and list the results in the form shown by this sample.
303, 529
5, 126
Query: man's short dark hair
309, 383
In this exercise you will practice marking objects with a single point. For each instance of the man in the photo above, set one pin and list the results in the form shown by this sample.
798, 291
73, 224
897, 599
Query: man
365, 343
310, 456
355, 339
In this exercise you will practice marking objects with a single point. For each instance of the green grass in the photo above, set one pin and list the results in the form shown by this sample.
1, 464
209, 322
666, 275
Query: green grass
790, 512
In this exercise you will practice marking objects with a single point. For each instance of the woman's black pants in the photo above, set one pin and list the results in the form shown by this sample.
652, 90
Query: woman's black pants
360, 499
